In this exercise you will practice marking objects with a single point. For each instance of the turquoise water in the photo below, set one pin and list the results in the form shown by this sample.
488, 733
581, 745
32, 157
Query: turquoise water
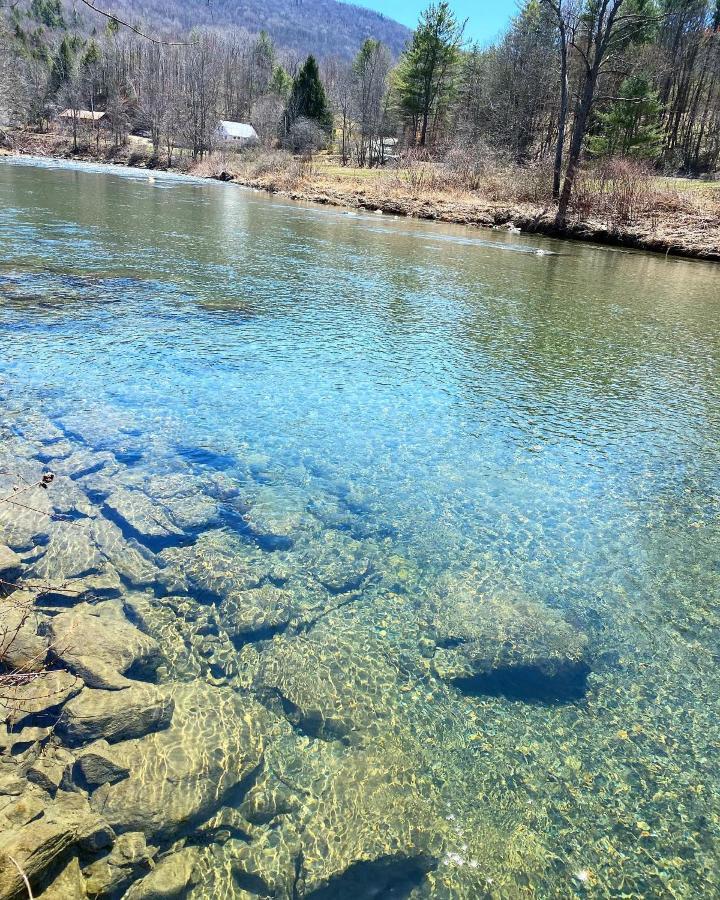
455, 408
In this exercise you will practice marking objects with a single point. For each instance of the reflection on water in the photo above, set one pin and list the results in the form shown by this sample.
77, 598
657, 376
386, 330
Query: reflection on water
448, 513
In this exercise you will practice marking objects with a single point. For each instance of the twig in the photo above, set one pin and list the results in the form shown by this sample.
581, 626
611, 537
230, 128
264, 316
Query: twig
148, 37
23, 876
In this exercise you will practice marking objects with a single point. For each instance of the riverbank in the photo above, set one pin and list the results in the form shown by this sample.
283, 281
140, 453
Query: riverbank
673, 217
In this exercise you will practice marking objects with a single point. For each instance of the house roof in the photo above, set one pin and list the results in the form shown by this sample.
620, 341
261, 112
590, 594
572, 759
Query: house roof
82, 114
238, 129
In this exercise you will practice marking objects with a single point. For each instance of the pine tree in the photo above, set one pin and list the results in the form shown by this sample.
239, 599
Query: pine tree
631, 126
63, 65
425, 79
307, 98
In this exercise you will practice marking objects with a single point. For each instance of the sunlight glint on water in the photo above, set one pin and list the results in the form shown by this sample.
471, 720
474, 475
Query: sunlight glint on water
536, 425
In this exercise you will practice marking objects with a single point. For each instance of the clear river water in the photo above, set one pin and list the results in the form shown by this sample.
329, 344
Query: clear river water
470, 487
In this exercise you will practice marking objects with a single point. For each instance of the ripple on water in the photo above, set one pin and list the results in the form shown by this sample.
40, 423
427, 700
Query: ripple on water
433, 537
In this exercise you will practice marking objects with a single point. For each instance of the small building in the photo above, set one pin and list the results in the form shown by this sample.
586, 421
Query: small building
81, 115
240, 133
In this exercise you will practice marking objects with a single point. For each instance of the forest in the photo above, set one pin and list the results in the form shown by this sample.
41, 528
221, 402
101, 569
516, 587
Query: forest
570, 83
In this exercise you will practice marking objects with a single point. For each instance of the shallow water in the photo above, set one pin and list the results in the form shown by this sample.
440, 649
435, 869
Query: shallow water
452, 407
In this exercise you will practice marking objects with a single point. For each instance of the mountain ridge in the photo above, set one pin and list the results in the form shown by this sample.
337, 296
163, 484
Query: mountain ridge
323, 27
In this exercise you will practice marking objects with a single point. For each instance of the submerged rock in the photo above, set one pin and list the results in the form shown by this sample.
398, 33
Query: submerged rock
170, 879
98, 764
179, 776
146, 520
37, 699
366, 827
510, 645
21, 645
10, 564
43, 844
99, 644
68, 885
115, 715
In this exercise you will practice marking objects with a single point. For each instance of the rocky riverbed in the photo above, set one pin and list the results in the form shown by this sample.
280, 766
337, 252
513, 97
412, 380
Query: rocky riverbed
217, 710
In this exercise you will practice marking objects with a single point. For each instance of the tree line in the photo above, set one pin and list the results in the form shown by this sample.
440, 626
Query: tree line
569, 80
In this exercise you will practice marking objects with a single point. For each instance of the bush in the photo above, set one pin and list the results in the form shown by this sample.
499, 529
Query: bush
305, 137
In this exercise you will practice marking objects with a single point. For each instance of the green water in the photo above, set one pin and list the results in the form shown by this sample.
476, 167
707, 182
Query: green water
480, 473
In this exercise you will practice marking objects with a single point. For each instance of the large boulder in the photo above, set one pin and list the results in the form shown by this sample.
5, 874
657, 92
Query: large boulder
98, 643
179, 776
43, 844
115, 715
505, 643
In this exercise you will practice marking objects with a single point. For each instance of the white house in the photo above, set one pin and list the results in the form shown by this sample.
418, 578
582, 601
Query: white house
237, 133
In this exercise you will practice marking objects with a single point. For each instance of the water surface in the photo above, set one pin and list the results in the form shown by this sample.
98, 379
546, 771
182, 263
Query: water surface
466, 410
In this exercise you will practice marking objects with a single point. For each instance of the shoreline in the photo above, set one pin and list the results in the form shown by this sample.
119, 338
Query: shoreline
693, 241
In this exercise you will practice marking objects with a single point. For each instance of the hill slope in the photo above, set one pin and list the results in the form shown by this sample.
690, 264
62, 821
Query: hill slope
324, 27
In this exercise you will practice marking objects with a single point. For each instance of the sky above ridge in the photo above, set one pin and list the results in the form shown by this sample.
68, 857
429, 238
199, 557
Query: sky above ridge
486, 18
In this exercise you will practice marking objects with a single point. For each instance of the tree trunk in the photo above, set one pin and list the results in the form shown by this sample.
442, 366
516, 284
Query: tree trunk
562, 116
582, 114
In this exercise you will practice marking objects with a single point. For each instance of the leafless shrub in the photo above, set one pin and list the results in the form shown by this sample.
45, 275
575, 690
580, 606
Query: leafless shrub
616, 191
305, 137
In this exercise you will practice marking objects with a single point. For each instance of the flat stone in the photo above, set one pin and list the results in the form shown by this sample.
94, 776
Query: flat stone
170, 879
181, 775
39, 696
99, 644
21, 647
145, 519
98, 764
115, 715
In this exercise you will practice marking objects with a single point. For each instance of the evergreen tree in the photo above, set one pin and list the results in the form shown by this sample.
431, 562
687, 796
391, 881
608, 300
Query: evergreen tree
631, 126
307, 98
63, 65
280, 83
48, 12
425, 79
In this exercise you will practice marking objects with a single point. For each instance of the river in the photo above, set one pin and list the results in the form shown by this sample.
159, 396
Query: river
472, 481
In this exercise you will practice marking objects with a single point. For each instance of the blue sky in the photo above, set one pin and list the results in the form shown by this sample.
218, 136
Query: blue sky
486, 18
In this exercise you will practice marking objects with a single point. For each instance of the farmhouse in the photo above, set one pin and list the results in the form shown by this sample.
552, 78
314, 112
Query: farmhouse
237, 133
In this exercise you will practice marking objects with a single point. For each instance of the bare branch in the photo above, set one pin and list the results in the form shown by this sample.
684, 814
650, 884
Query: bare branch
148, 37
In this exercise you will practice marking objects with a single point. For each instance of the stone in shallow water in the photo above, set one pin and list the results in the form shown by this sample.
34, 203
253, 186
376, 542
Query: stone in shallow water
130, 559
85, 462
37, 699
276, 518
10, 564
180, 776
325, 687
99, 644
147, 520
217, 564
68, 885
70, 553
21, 646
115, 715
506, 644
43, 844
335, 560
170, 879
366, 827
257, 614
98, 764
